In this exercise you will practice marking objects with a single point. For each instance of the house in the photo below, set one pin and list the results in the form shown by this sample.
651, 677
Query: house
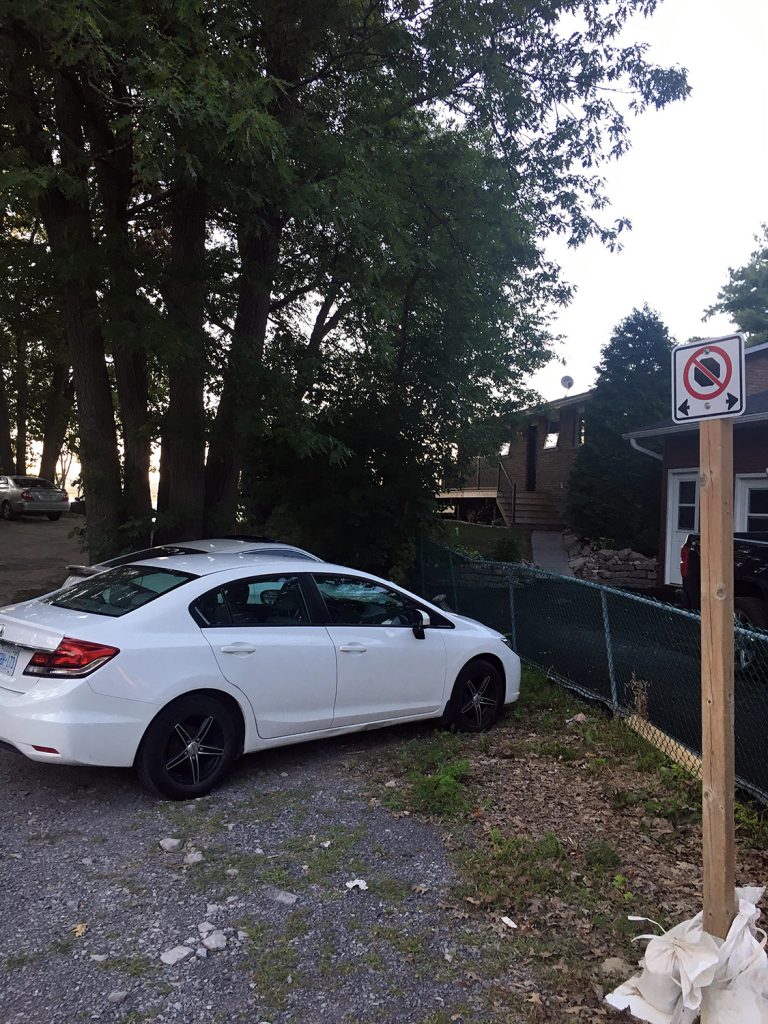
678, 450
528, 486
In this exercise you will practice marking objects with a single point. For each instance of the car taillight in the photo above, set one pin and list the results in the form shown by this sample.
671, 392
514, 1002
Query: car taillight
27, 496
72, 658
684, 562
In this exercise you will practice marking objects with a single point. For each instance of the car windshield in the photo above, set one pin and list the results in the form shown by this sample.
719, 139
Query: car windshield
31, 481
119, 591
162, 551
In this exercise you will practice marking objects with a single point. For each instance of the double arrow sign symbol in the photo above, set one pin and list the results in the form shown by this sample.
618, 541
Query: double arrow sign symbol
730, 401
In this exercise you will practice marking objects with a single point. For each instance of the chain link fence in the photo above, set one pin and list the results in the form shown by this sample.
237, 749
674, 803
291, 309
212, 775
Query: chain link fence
639, 657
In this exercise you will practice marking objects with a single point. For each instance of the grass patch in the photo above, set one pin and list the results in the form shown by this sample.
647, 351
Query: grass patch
436, 776
18, 960
274, 960
499, 543
137, 966
514, 866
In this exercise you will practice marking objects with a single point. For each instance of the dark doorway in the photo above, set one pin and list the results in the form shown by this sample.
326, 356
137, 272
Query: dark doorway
530, 458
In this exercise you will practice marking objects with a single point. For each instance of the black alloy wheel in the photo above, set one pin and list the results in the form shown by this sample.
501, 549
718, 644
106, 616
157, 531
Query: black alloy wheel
53, 516
477, 698
188, 748
7, 512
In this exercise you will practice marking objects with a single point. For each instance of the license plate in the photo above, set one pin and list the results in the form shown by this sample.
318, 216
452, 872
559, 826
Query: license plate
8, 658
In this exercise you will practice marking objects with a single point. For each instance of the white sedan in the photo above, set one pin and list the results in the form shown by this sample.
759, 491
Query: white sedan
179, 665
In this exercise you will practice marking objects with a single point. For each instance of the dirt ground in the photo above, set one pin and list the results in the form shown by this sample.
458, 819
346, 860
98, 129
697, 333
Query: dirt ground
34, 554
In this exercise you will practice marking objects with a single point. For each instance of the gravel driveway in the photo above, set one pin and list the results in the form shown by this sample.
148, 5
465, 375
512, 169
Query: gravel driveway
92, 901
34, 554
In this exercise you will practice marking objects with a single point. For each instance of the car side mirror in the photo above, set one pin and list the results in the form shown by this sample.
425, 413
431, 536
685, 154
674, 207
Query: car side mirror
420, 623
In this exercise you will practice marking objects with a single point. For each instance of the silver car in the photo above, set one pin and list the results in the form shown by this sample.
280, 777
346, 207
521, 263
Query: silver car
31, 496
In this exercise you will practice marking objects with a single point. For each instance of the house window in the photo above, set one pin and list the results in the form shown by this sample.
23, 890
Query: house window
578, 427
686, 505
757, 510
553, 433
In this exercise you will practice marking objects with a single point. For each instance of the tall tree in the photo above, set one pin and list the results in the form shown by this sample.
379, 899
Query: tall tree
218, 171
615, 492
745, 296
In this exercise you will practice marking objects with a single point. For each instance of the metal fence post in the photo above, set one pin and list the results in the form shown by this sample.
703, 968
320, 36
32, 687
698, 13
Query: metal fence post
512, 624
421, 567
453, 583
609, 652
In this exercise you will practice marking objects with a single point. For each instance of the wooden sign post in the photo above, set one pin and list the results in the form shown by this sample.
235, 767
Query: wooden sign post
717, 724
708, 387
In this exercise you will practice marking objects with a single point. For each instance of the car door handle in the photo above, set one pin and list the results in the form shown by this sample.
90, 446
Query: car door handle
237, 649
353, 648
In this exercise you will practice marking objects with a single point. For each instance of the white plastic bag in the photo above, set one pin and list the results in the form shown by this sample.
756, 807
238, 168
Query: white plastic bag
676, 967
686, 970
739, 992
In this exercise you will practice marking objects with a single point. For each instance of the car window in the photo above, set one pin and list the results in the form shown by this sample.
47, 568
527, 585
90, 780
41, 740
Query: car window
264, 601
32, 482
119, 591
352, 601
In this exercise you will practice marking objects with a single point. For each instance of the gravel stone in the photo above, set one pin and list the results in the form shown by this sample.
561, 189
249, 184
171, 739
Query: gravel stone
281, 896
216, 940
169, 845
175, 955
193, 857
116, 997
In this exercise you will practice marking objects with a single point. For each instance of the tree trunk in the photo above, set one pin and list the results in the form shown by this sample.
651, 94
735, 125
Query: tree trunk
68, 225
58, 409
6, 448
112, 152
242, 392
20, 387
183, 457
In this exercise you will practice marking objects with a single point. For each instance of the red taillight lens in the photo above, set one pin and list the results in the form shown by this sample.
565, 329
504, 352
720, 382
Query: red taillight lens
27, 496
684, 562
72, 658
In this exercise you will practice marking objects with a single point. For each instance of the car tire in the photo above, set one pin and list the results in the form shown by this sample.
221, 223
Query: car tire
7, 512
53, 516
166, 763
477, 698
749, 612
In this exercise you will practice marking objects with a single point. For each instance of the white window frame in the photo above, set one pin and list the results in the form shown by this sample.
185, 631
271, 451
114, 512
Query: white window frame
671, 552
743, 483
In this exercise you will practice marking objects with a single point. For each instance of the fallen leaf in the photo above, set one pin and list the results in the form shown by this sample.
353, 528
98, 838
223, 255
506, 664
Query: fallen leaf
80, 929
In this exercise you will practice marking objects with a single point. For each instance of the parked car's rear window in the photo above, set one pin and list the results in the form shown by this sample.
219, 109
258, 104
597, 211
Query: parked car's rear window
31, 482
119, 591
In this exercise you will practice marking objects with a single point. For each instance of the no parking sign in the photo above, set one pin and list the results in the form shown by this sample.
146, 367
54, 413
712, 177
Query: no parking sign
708, 379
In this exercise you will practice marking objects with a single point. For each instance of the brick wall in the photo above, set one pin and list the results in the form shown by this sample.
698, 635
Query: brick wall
757, 372
553, 465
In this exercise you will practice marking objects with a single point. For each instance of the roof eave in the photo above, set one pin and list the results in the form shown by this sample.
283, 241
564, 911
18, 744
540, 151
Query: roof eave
689, 428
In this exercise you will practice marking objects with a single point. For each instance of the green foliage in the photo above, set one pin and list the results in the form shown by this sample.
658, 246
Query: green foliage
745, 296
601, 856
367, 287
441, 794
614, 491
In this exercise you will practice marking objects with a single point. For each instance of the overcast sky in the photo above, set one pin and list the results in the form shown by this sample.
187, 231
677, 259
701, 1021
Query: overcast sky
694, 185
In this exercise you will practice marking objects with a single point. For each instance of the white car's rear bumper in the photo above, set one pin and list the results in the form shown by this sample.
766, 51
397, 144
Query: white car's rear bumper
73, 723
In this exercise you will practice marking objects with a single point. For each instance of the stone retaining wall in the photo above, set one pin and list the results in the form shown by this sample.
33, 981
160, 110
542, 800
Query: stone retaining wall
625, 568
